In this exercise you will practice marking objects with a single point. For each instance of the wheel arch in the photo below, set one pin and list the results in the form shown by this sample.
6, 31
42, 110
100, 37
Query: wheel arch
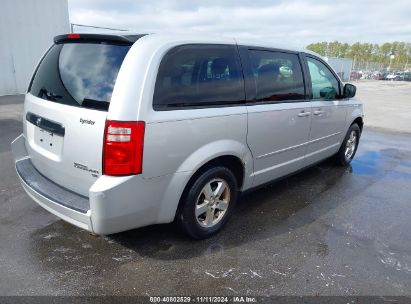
359, 121
231, 162
227, 153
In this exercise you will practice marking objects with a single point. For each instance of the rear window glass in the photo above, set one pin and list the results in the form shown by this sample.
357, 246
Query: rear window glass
79, 74
199, 76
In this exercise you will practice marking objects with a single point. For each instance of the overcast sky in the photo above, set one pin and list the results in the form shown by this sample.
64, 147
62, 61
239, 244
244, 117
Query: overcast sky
292, 22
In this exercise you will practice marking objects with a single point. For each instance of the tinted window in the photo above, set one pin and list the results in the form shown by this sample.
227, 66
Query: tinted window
278, 76
323, 82
199, 75
79, 74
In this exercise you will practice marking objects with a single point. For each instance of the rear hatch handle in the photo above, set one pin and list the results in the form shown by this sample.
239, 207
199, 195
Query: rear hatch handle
45, 124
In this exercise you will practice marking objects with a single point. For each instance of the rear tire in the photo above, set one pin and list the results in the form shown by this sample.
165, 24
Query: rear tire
208, 203
349, 146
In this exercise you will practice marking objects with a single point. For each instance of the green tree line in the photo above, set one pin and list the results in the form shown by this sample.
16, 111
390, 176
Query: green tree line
367, 52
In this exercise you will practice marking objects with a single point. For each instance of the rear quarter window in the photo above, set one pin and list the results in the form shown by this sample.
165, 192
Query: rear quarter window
79, 74
199, 76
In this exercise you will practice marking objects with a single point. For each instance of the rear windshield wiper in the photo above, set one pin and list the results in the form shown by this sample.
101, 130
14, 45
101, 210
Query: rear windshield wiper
49, 95
95, 104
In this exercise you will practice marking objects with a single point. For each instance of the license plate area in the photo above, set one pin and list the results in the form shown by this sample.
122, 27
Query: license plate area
48, 141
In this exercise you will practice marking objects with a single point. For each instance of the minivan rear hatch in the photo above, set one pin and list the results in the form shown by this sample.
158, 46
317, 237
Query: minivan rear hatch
66, 107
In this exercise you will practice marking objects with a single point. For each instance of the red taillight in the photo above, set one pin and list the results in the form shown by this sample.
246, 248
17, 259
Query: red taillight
73, 36
123, 147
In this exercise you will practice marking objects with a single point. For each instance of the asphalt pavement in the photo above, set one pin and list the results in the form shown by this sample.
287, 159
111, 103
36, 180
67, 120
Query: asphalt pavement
325, 231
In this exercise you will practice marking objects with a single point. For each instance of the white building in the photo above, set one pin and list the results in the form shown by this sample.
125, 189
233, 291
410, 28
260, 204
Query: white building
342, 66
27, 28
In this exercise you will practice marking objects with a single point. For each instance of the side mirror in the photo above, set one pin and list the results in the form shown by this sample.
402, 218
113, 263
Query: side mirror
349, 90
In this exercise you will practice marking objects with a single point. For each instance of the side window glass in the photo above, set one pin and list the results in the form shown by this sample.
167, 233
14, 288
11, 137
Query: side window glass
278, 76
323, 83
199, 75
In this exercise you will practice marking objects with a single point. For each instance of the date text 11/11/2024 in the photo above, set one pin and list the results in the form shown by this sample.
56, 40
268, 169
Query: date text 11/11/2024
203, 299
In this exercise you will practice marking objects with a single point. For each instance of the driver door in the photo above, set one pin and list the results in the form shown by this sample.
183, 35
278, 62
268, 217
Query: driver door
328, 111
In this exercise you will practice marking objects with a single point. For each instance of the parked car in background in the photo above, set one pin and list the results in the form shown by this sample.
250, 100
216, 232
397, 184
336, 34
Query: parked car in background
366, 75
406, 76
377, 75
393, 76
355, 75
121, 132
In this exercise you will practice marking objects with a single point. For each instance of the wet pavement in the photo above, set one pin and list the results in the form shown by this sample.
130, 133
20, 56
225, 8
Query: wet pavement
325, 231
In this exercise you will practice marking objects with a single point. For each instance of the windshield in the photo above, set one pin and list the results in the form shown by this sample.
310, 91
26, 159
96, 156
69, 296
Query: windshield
79, 74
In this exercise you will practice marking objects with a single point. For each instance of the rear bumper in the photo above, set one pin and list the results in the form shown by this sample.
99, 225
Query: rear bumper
67, 205
114, 204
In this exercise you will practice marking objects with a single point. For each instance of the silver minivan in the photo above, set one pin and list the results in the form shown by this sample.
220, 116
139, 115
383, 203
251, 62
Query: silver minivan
124, 131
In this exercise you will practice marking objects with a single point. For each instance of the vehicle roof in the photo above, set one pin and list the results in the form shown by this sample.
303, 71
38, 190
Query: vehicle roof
228, 40
164, 38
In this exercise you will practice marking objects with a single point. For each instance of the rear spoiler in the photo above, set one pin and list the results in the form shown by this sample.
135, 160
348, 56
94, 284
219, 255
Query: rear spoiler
96, 38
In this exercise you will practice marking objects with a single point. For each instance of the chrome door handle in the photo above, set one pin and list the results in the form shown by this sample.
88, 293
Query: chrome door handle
303, 114
318, 112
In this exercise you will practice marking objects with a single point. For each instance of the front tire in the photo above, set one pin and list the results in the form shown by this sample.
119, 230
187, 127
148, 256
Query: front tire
208, 203
349, 145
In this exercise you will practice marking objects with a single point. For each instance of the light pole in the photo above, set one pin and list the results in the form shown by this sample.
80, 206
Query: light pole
392, 56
